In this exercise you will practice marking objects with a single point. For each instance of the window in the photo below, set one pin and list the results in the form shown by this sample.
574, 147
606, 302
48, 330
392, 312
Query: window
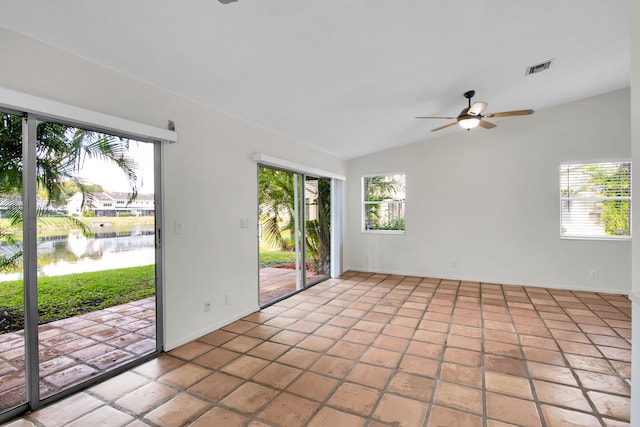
383, 202
595, 200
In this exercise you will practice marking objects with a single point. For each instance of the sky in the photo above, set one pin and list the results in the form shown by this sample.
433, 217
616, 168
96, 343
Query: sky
111, 178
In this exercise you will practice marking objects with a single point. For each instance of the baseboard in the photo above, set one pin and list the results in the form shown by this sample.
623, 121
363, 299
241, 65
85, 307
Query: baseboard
499, 281
204, 331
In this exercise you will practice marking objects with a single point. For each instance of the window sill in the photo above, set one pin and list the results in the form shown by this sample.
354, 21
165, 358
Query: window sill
384, 231
598, 238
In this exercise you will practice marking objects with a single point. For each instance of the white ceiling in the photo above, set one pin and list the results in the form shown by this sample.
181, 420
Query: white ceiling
346, 76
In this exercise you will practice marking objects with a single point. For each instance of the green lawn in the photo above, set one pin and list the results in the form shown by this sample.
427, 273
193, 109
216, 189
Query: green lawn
60, 297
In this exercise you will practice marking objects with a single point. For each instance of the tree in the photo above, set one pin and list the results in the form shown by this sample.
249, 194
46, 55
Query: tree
277, 205
318, 230
61, 151
615, 184
381, 191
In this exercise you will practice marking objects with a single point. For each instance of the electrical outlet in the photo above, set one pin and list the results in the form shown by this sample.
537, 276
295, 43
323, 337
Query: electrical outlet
227, 299
594, 274
453, 264
244, 222
207, 306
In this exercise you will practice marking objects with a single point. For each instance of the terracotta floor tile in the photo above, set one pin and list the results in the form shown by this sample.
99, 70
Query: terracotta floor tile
381, 357
587, 363
158, 366
552, 373
369, 326
466, 343
178, 411
506, 365
313, 386
66, 410
441, 416
219, 416
244, 366
288, 410
119, 385
239, 326
620, 354
354, 398
391, 343
369, 375
185, 376
400, 411
463, 357
216, 358
412, 386
611, 406
103, 416
542, 355
288, 337
215, 386
299, 358
336, 367
319, 344
249, 398
146, 397
347, 350
562, 395
511, 410
425, 349
241, 344
603, 382
460, 397
419, 365
190, 350
262, 331
360, 337
268, 350
508, 384
430, 337
334, 418
461, 374
566, 418
276, 375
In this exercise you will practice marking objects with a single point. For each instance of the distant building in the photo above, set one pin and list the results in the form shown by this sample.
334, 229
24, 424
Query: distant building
111, 204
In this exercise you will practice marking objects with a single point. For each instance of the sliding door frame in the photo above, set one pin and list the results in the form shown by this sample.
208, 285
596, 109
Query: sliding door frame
336, 218
30, 261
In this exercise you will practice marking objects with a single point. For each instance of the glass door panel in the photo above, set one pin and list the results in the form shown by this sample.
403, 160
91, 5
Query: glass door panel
317, 197
12, 308
279, 234
295, 235
96, 254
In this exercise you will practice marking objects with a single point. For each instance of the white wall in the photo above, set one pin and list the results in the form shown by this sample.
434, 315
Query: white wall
488, 201
635, 147
210, 180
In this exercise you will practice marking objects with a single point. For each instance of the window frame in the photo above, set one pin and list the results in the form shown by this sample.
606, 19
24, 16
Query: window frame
563, 199
363, 204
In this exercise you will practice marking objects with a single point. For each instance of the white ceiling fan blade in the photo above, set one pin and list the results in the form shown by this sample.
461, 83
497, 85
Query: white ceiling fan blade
476, 108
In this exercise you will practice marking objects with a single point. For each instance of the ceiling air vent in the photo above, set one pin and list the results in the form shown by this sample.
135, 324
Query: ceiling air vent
538, 67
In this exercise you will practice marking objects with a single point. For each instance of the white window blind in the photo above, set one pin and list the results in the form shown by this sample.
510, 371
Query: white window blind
383, 202
595, 200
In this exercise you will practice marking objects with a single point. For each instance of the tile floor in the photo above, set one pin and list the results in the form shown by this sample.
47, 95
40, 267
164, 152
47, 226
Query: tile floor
379, 350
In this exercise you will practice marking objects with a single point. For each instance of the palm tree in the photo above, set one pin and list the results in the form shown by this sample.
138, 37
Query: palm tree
61, 151
277, 205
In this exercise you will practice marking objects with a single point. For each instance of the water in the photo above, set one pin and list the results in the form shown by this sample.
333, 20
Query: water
74, 253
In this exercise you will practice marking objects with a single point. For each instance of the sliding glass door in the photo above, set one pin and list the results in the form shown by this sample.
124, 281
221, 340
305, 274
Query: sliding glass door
295, 232
80, 259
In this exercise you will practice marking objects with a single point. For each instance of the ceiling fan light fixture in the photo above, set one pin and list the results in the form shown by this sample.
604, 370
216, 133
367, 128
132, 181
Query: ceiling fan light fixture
469, 122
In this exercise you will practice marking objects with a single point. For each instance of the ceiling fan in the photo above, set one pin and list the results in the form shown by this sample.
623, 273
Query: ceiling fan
472, 116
